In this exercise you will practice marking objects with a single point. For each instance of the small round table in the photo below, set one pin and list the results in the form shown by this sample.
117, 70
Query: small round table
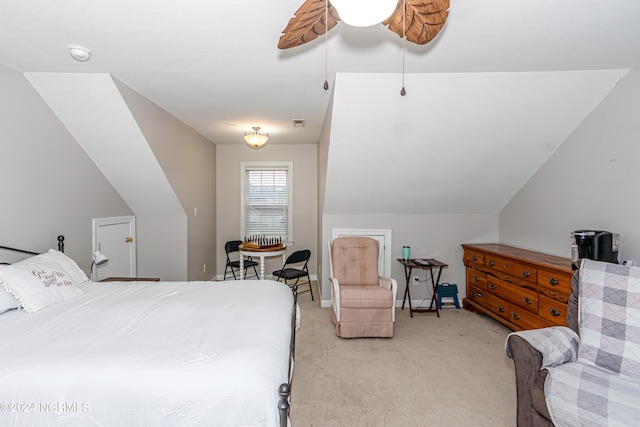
262, 254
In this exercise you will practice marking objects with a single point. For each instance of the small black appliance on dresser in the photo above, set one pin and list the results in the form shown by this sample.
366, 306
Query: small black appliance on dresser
596, 245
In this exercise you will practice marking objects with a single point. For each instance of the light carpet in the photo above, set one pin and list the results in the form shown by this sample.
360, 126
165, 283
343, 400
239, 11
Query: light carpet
447, 371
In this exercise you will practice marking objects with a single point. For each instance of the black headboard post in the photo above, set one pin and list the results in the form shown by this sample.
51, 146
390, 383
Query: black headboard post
61, 243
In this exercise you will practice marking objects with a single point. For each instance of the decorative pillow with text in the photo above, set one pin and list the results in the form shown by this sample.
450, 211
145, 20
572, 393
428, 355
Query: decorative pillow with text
37, 284
69, 266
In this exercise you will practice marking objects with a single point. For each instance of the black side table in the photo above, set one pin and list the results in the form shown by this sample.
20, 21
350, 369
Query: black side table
435, 270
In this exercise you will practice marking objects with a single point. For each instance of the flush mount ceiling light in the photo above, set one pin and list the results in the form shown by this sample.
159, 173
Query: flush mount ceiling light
364, 13
256, 139
79, 53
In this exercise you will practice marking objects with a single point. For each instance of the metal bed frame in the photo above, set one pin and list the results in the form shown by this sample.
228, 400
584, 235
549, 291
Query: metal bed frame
22, 251
284, 390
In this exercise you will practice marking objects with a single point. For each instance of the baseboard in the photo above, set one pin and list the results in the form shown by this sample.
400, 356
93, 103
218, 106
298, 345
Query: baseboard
414, 303
219, 277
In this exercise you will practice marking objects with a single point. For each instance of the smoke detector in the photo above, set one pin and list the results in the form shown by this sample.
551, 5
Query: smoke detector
79, 53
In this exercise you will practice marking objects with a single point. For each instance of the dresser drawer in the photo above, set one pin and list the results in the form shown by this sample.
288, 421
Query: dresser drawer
496, 305
490, 301
477, 295
476, 278
473, 258
525, 319
506, 266
552, 310
555, 282
525, 298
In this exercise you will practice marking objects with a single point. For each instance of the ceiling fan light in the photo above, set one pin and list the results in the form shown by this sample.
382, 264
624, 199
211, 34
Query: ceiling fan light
364, 13
256, 139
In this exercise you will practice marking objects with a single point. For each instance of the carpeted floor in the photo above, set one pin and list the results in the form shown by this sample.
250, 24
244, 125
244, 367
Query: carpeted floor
447, 371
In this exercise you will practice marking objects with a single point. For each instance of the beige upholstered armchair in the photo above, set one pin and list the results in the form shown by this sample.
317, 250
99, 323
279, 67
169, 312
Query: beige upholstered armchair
363, 302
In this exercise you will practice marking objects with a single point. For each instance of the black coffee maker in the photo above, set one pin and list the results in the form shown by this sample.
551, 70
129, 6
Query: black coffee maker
596, 245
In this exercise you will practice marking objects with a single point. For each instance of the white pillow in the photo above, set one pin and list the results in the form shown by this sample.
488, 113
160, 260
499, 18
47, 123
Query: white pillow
65, 262
39, 282
7, 301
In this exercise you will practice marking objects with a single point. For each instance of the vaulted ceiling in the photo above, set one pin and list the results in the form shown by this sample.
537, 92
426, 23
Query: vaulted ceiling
215, 64
488, 100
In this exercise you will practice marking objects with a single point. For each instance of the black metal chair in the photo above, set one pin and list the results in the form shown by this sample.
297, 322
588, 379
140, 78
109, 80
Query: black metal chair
231, 247
290, 273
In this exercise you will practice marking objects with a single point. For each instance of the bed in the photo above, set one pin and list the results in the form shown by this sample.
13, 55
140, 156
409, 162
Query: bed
142, 353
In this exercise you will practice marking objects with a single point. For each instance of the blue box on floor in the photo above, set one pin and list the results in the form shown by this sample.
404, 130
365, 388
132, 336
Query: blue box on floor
447, 290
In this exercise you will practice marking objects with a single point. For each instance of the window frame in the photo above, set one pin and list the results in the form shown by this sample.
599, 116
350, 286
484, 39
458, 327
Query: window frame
267, 165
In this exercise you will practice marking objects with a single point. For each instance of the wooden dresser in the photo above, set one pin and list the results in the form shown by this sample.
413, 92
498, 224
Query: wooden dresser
519, 288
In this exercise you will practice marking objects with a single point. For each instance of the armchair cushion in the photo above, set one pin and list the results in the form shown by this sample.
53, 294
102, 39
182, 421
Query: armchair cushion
582, 394
358, 263
373, 296
609, 317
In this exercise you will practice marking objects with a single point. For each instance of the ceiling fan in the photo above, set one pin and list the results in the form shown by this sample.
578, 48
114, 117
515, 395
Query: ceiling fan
424, 20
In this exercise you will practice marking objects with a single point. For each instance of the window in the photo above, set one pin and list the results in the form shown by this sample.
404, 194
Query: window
267, 199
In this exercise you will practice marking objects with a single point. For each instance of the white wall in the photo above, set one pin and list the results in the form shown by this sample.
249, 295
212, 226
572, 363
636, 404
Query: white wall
305, 187
591, 182
436, 236
177, 246
162, 246
323, 158
49, 184
456, 143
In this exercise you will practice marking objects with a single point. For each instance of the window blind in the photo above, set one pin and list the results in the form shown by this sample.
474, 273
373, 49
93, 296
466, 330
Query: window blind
266, 202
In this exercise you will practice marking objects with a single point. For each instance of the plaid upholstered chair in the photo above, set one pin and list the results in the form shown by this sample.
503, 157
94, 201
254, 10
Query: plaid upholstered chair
363, 302
587, 373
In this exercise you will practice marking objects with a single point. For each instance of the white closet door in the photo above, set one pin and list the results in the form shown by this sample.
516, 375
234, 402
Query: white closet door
116, 239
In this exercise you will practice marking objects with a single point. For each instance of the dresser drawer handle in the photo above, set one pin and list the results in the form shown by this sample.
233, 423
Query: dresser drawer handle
515, 316
479, 295
476, 279
554, 312
525, 273
473, 294
491, 263
501, 309
527, 301
553, 282
475, 258
492, 286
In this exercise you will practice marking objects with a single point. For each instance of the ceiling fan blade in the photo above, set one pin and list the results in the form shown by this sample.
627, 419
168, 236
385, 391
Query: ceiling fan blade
308, 23
425, 19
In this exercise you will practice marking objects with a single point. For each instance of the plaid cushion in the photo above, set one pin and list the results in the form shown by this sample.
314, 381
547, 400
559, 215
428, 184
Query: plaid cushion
579, 394
609, 317
557, 344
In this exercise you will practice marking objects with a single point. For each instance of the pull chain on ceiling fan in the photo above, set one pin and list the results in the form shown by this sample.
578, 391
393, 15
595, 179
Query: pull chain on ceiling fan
416, 21
404, 37
326, 45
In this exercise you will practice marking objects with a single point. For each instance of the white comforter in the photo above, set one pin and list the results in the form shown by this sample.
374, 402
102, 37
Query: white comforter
152, 354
